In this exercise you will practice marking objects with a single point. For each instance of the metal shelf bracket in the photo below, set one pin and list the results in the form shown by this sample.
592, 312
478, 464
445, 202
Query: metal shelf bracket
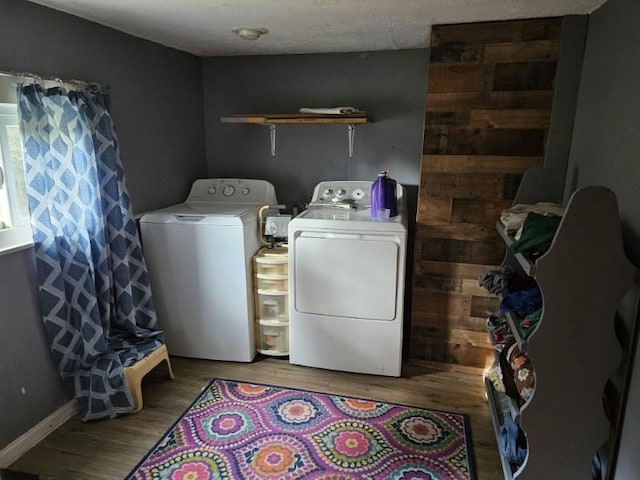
272, 135
351, 132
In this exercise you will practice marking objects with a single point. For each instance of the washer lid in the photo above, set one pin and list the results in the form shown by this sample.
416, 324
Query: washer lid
204, 213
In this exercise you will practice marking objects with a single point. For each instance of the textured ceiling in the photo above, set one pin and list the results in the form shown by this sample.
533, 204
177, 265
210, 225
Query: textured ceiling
204, 27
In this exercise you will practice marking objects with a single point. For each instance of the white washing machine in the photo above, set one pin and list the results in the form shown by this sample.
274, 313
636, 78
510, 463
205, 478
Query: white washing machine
346, 282
199, 258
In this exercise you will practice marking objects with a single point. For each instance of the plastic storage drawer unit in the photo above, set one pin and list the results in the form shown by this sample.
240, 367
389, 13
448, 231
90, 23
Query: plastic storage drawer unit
271, 267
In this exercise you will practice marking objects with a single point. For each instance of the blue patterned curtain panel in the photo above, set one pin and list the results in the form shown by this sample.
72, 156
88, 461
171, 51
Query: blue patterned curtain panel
94, 288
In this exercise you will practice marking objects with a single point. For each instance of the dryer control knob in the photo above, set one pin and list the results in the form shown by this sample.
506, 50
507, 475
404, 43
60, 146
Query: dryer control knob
327, 191
340, 192
228, 190
211, 190
246, 191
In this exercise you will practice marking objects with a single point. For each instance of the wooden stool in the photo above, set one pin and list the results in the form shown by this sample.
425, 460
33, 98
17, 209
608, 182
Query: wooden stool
138, 370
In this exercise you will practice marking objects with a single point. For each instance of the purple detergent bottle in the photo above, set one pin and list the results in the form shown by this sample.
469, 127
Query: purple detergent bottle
383, 196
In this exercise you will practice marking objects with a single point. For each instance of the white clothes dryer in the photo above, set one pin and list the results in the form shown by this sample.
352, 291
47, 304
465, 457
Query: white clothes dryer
346, 282
199, 258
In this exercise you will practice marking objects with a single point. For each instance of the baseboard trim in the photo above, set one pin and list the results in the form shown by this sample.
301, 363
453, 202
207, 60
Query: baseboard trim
36, 434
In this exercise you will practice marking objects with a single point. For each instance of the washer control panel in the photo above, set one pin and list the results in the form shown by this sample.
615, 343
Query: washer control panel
233, 190
348, 191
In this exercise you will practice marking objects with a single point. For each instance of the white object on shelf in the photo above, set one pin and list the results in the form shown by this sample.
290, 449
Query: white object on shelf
329, 110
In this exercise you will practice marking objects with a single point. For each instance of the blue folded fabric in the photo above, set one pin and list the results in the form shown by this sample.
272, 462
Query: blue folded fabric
512, 441
521, 301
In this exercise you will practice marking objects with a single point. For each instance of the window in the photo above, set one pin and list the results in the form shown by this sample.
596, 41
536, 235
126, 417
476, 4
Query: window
15, 231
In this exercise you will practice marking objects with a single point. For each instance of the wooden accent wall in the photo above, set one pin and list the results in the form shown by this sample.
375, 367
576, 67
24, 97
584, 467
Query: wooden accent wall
488, 108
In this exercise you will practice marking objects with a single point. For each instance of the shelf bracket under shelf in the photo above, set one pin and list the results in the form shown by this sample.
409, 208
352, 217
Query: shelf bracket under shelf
272, 136
351, 133
273, 122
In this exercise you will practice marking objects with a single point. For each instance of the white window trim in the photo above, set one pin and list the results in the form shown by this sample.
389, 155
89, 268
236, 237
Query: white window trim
15, 239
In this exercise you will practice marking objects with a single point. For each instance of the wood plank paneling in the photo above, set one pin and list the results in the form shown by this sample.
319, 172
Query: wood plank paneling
483, 306
524, 76
437, 282
456, 270
434, 210
467, 210
464, 322
459, 78
488, 108
447, 118
492, 210
545, 50
474, 232
451, 250
524, 119
484, 141
457, 54
478, 164
467, 101
460, 185
434, 301
496, 32
450, 350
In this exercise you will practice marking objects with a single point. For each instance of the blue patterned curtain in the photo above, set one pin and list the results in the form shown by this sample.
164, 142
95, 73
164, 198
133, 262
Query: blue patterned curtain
94, 289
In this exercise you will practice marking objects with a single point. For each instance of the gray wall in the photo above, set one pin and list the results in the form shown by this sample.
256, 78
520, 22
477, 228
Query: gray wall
30, 386
157, 109
389, 86
606, 151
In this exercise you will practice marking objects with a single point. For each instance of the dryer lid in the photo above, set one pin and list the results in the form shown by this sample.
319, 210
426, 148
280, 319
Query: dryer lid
320, 218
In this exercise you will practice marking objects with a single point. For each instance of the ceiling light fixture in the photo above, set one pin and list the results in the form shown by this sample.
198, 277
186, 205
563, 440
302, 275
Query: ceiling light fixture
250, 33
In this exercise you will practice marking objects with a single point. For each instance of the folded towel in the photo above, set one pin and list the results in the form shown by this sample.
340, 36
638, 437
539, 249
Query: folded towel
329, 111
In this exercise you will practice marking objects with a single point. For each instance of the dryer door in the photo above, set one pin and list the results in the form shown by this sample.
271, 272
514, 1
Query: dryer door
346, 275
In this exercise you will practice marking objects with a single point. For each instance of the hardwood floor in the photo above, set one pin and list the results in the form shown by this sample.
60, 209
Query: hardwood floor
108, 450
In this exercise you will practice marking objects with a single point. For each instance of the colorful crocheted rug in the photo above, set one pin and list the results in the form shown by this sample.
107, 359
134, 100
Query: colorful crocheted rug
236, 430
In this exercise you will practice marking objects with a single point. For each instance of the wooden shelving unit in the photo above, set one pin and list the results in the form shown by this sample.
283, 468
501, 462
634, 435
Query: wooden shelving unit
574, 350
271, 120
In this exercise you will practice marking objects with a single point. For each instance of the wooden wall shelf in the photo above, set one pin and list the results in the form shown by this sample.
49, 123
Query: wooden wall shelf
272, 119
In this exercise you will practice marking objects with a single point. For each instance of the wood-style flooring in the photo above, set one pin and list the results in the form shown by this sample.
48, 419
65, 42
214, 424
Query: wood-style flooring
108, 450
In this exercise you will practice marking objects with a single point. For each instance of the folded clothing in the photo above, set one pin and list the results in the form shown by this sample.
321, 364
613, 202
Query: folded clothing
495, 281
510, 388
537, 235
499, 330
521, 302
512, 218
523, 373
494, 374
512, 440
529, 322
